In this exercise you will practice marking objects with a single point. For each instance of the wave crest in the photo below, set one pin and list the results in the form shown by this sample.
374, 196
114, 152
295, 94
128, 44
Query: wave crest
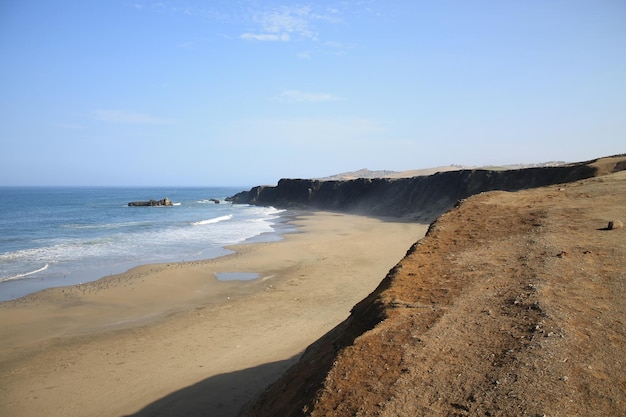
25, 274
213, 220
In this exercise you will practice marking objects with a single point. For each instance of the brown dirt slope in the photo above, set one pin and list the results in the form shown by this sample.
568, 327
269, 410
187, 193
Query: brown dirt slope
513, 304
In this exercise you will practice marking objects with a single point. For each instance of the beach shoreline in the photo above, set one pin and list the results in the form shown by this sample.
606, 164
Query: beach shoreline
14, 288
207, 289
131, 338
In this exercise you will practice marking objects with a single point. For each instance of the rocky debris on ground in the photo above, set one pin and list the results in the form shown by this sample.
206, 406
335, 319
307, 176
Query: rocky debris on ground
615, 224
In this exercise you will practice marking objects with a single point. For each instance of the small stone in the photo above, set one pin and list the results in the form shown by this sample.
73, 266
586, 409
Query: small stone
615, 224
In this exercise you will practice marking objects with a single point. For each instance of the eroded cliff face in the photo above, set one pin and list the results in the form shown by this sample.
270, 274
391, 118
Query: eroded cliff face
419, 198
511, 305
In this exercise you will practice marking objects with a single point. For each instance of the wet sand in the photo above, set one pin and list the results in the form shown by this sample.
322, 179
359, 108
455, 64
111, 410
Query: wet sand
170, 339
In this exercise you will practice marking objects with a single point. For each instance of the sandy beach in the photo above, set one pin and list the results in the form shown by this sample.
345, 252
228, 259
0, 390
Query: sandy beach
171, 340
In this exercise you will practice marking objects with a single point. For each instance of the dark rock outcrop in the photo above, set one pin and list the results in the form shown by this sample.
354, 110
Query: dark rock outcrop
420, 198
152, 203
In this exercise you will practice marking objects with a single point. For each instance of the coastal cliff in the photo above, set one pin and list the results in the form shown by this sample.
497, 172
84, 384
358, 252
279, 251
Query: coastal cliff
511, 305
420, 198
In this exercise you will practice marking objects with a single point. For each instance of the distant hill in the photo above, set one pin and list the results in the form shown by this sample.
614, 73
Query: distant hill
366, 173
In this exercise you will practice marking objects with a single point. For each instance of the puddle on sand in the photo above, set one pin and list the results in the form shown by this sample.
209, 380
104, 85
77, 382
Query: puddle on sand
236, 276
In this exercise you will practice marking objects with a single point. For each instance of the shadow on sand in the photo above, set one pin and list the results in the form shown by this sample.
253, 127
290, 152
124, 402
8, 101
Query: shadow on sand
217, 396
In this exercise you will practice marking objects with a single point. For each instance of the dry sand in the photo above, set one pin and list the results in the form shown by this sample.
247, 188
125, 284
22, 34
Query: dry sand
171, 340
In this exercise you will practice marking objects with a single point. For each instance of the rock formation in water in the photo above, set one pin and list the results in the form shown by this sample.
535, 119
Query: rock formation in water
151, 203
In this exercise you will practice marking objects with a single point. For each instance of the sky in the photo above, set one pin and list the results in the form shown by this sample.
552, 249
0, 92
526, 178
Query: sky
245, 92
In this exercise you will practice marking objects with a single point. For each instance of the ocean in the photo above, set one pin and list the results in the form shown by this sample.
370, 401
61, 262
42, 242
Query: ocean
58, 236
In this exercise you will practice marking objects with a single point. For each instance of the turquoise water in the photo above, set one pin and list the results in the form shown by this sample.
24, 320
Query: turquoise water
58, 236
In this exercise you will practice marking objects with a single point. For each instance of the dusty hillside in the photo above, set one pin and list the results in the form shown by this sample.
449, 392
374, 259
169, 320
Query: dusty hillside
513, 304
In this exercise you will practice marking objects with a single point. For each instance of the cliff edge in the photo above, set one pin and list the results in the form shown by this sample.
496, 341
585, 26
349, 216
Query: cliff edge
421, 198
511, 305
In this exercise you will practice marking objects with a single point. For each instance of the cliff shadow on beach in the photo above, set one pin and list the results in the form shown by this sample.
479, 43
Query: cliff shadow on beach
221, 395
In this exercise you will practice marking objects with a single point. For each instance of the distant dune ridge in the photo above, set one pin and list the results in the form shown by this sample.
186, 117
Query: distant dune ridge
511, 305
366, 173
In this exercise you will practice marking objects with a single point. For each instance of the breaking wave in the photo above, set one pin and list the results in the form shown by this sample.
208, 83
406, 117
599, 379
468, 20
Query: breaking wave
25, 274
213, 220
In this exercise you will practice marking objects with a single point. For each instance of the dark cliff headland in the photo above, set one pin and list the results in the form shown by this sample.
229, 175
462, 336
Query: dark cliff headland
421, 198
511, 305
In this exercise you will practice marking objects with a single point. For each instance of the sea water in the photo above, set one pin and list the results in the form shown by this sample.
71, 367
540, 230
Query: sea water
57, 236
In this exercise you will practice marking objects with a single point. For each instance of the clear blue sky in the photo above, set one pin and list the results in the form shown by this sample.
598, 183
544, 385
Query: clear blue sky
189, 92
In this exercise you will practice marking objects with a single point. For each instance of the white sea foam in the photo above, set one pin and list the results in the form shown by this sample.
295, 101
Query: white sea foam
209, 201
213, 220
25, 274
59, 252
